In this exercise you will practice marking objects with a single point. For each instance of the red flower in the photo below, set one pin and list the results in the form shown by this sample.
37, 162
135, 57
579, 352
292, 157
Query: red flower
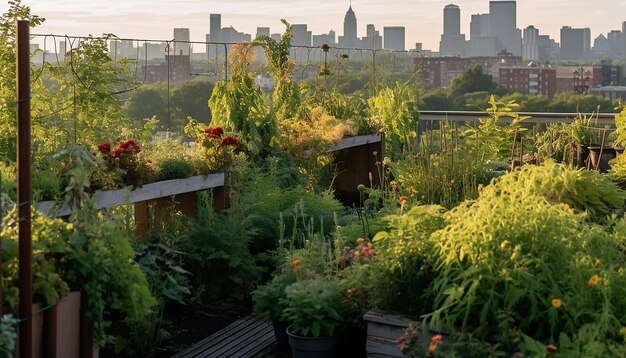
229, 140
215, 132
325, 47
104, 148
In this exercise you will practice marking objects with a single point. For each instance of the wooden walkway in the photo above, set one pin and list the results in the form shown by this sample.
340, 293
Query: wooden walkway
248, 337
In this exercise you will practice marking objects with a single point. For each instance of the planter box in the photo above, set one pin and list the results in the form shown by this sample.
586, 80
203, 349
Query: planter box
356, 164
37, 334
112, 198
62, 328
384, 328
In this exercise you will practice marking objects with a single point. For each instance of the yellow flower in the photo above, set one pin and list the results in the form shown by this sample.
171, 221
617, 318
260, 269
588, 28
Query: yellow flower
350, 292
556, 303
69, 227
622, 331
593, 281
599, 262
296, 262
551, 348
360, 240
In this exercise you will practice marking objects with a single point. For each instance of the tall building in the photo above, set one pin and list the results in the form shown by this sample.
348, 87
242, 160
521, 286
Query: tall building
530, 44
215, 35
373, 40
181, 41
479, 26
329, 39
503, 25
394, 38
624, 38
349, 38
548, 49
481, 42
575, 43
215, 27
452, 41
301, 36
259, 53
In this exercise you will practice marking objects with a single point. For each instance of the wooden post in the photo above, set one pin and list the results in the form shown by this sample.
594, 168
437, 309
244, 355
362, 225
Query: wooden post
24, 188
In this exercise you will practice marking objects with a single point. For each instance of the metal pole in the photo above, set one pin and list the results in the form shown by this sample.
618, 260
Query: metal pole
24, 187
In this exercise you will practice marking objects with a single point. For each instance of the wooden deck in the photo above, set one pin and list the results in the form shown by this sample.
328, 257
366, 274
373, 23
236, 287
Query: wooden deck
249, 337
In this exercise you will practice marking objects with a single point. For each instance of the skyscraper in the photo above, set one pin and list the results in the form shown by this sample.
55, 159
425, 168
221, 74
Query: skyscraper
530, 44
215, 35
393, 37
349, 38
452, 41
215, 27
481, 42
181, 41
503, 25
575, 43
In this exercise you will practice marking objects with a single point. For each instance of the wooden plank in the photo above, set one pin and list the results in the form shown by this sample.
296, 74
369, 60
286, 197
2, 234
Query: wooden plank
228, 346
215, 338
112, 198
386, 331
357, 141
377, 348
249, 335
259, 344
386, 318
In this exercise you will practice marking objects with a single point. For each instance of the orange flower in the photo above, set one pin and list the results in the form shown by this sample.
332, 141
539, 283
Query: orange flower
593, 281
434, 342
551, 348
360, 240
296, 262
403, 199
556, 303
599, 262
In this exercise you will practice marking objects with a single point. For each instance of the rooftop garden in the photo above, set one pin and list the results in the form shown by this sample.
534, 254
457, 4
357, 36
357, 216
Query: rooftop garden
496, 238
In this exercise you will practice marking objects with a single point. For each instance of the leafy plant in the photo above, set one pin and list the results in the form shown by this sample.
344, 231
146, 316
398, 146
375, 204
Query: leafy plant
123, 165
394, 110
313, 307
517, 252
8, 334
585, 129
237, 105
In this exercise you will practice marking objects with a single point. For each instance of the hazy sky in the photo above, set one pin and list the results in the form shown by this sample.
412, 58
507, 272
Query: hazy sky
423, 19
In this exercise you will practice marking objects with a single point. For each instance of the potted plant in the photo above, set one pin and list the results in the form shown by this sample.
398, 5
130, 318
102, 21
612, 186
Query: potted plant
314, 309
585, 132
269, 301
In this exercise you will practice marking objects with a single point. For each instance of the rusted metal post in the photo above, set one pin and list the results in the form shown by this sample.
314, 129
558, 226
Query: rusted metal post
24, 187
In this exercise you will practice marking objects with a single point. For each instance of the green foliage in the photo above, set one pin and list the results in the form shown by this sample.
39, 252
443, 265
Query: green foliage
99, 258
49, 237
269, 298
583, 190
170, 160
473, 79
620, 123
492, 138
514, 252
556, 142
394, 110
218, 254
313, 307
404, 263
585, 129
237, 105
286, 100
8, 55
8, 334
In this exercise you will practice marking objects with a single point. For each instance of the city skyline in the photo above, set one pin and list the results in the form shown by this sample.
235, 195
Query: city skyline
423, 21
